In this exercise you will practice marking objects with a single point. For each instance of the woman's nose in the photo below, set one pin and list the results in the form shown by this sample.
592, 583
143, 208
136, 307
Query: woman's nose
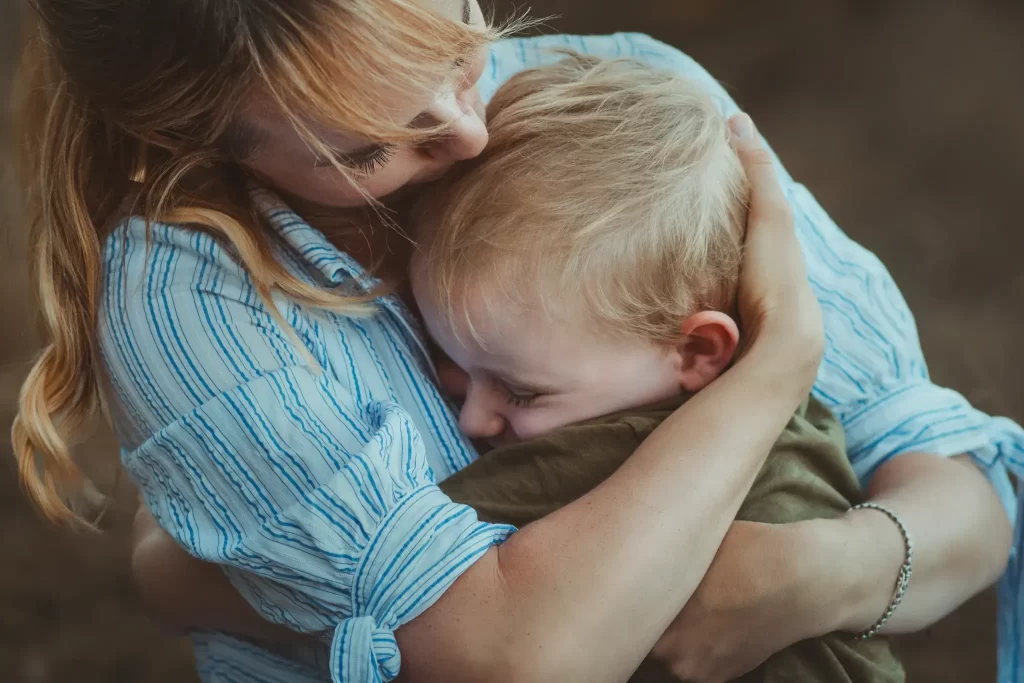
466, 133
477, 419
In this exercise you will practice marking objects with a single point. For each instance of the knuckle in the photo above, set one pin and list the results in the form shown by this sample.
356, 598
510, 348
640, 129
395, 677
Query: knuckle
775, 215
757, 156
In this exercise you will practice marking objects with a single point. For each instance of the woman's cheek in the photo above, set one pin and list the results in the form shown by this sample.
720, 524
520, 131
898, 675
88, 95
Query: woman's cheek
389, 179
322, 186
330, 187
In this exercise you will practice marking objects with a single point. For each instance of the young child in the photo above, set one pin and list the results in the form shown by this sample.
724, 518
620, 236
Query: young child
581, 272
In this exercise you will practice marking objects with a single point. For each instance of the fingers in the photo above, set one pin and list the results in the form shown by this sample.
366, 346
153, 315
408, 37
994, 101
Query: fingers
774, 293
766, 197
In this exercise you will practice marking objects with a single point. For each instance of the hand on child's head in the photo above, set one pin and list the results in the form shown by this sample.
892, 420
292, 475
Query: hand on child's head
775, 300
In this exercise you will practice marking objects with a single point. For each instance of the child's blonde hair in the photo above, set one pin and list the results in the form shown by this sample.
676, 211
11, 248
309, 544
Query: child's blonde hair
610, 183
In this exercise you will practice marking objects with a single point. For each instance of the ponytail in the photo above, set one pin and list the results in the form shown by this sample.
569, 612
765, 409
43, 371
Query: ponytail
63, 201
77, 174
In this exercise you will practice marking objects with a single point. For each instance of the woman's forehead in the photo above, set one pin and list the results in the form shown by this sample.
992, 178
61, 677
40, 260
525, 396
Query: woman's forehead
397, 106
274, 130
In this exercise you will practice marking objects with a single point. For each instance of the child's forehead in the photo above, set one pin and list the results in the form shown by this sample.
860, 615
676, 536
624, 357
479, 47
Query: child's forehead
520, 337
524, 327
531, 359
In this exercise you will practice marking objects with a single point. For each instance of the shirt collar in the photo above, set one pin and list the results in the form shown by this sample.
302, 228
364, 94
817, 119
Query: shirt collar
334, 265
337, 267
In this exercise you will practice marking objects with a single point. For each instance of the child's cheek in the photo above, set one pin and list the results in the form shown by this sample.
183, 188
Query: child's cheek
530, 423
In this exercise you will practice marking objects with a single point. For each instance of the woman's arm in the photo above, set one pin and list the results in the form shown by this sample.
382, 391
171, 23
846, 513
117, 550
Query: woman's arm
839, 575
582, 594
526, 610
186, 594
773, 585
960, 547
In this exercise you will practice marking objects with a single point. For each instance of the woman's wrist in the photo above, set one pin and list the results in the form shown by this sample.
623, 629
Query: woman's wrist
785, 368
820, 600
858, 559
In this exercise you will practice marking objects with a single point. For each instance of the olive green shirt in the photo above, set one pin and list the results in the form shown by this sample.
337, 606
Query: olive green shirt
806, 476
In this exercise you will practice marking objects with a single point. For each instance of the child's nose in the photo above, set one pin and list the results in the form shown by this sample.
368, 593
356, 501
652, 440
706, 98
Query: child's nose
477, 420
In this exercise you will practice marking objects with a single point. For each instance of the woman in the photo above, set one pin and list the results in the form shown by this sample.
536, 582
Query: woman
281, 428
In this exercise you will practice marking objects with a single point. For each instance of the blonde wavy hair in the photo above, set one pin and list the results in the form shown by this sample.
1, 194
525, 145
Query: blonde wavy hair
608, 188
129, 107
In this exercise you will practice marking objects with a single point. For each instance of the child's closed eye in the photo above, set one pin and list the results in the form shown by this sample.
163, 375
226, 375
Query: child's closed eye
520, 399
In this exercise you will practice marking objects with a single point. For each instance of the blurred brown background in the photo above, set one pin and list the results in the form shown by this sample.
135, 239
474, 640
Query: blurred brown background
904, 118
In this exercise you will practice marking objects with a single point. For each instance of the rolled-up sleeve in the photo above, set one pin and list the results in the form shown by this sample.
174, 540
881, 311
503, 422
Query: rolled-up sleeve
323, 508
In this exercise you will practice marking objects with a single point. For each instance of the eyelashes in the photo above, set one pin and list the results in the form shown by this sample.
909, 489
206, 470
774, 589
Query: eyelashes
373, 161
519, 400
364, 163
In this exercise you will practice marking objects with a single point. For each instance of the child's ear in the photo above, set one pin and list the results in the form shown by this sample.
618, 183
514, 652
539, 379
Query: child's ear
709, 340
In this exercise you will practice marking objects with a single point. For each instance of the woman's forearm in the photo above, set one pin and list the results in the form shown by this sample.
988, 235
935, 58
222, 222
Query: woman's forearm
585, 593
961, 536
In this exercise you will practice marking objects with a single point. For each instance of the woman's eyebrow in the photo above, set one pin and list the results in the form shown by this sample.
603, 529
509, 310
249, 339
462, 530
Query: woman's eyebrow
467, 12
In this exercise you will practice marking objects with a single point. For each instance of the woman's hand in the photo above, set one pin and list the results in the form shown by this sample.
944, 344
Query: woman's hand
774, 585
776, 305
758, 597
747, 607
749, 604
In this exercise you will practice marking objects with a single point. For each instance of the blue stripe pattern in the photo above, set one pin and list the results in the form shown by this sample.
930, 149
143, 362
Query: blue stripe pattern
317, 492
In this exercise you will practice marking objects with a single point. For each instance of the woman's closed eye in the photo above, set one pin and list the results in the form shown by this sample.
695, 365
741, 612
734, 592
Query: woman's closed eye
364, 161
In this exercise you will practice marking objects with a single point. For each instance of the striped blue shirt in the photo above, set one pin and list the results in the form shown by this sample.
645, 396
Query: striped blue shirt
317, 490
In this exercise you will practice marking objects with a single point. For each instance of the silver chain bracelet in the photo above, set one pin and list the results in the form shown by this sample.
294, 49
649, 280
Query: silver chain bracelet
903, 579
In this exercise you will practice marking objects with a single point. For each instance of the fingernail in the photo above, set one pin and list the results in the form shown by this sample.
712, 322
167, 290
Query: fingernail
742, 127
